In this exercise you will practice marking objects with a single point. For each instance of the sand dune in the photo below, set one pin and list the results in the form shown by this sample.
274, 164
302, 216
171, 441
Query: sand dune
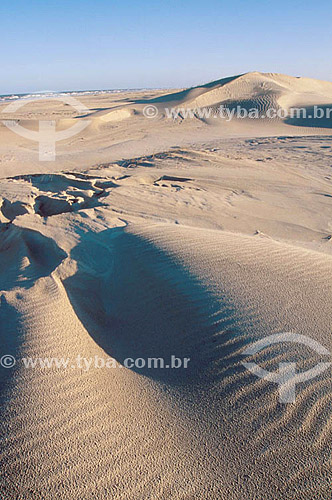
158, 238
203, 294
251, 90
115, 126
267, 88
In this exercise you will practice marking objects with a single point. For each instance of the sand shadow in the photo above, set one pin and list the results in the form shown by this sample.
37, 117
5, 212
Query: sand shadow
313, 117
10, 343
138, 302
26, 256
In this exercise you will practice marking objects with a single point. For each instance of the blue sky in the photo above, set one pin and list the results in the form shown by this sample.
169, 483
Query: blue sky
64, 45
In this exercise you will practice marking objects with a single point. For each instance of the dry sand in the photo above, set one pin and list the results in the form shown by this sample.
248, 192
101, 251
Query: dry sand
151, 238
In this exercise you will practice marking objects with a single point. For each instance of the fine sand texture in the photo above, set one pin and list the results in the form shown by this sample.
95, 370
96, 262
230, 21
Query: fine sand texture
153, 238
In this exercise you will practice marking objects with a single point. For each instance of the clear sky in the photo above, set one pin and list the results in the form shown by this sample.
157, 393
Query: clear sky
92, 44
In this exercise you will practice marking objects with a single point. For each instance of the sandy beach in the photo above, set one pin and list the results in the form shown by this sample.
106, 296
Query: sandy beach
167, 237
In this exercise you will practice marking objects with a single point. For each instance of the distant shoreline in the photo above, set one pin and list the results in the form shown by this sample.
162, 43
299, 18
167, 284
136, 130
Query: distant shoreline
49, 94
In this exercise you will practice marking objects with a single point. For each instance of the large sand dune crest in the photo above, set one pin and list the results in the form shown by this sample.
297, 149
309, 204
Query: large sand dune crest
261, 91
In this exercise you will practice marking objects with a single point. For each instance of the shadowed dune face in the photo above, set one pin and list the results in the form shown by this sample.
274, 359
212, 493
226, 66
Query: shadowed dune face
26, 256
142, 304
11, 210
11, 336
309, 119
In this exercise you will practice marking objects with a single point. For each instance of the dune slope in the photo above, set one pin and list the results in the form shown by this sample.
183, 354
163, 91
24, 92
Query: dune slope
213, 430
